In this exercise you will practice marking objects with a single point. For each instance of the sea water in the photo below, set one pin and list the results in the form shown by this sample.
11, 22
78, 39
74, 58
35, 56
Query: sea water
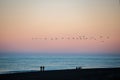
11, 63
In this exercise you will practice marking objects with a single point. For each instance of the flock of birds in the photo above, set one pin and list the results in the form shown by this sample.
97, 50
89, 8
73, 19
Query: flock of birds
100, 38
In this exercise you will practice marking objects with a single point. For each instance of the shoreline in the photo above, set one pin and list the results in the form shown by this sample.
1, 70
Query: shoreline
66, 74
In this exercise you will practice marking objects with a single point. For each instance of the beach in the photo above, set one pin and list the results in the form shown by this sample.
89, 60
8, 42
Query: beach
67, 74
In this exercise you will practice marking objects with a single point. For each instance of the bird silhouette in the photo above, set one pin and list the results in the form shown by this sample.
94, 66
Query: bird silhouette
108, 37
62, 38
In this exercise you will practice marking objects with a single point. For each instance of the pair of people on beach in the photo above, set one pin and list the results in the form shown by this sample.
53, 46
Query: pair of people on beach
78, 68
42, 68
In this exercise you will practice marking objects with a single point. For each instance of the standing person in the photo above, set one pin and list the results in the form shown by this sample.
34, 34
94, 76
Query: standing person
43, 68
80, 68
76, 68
40, 68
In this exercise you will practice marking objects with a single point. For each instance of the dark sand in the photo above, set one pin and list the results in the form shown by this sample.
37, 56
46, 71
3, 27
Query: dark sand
70, 74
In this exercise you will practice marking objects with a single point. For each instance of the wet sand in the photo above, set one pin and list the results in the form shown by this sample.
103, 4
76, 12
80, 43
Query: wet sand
68, 74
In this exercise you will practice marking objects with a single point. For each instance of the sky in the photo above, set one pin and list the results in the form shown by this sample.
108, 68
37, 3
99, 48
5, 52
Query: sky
39, 26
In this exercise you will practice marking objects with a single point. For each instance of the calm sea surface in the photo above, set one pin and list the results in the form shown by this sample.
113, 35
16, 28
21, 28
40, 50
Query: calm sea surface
53, 62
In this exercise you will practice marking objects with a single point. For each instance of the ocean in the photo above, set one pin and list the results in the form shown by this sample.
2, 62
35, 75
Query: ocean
17, 63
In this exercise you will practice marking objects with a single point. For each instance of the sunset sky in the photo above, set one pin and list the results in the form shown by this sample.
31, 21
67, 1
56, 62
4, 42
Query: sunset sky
23, 20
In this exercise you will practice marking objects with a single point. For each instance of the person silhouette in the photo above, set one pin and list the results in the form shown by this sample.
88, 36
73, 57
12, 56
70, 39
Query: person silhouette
40, 68
78, 68
43, 68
